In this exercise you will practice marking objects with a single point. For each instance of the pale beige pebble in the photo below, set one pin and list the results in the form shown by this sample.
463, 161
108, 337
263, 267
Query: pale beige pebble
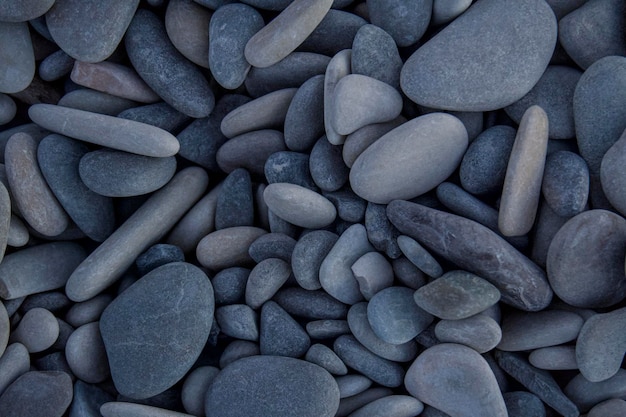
285, 32
8, 108
265, 112
361, 139
359, 100
124, 409
198, 222
31, 193
14, 362
187, 26
299, 205
373, 272
18, 233
17, 58
115, 79
37, 331
338, 67
228, 247
522, 183
144, 228
99, 129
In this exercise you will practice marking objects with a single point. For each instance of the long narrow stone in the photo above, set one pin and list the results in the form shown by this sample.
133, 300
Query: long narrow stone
125, 409
144, 228
17, 59
286, 32
338, 67
522, 184
112, 132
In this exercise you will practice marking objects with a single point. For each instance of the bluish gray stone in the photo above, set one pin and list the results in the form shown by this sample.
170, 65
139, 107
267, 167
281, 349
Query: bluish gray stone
161, 115
408, 274
235, 153
380, 232
405, 20
327, 329
238, 321
56, 65
324, 356
420, 257
375, 54
272, 245
236, 350
565, 185
17, 56
308, 255
291, 167
235, 203
52, 301
335, 33
87, 400
265, 280
24, 10
158, 255
586, 394
304, 122
229, 285
312, 305
328, 170
352, 384
37, 394
350, 207
280, 334
353, 403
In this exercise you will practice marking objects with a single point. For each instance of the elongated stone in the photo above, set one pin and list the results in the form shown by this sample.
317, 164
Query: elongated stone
227, 247
17, 59
99, 129
24, 10
554, 358
586, 394
527, 331
391, 406
128, 409
335, 33
480, 332
308, 255
612, 174
304, 121
566, 183
375, 54
338, 67
299, 205
161, 115
5, 219
55, 66
37, 394
93, 101
521, 283
176, 80
187, 26
145, 227
15, 361
286, 32
235, 153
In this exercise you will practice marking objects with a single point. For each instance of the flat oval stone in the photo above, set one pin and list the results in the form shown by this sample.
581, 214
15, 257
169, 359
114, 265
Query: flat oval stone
23, 11
323, 356
335, 33
481, 251
291, 167
235, 153
99, 129
433, 379
391, 406
457, 295
304, 121
161, 115
56, 65
231, 27
480, 332
327, 329
359, 140
359, 100
8, 109
565, 183
31, 193
452, 71
308, 255
187, 26
588, 253
395, 317
17, 58
352, 384
384, 171
37, 394
289, 387
419, 256
611, 174
88, 311
94, 101
155, 330
310, 304
265, 280
527, 331
127, 409
353, 403
299, 205
375, 54
89, 32
86, 355
609, 408
554, 358
326, 166
227, 247
405, 21
338, 67
59, 159
446, 10
373, 273
524, 174
554, 92
37, 331
286, 32
523, 404
179, 82
195, 387
586, 394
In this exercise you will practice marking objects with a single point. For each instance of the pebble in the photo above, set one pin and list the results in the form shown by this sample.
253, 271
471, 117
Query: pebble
349, 404
609, 408
227, 247
304, 121
286, 32
14, 362
17, 58
419, 256
160, 115
147, 225
18, 233
586, 394
554, 358
523, 404
565, 185
410, 160
457, 295
382, 371
373, 273
445, 11
187, 26
54, 301
380, 232
479, 332
327, 329
585, 261
88, 311
375, 54
405, 21
338, 67
87, 400
235, 153
554, 92
433, 379
391, 406
362, 331
352, 384
238, 321
89, 33
290, 72
155, 59
548, 224
8, 109
5, 328
23, 11
127, 409
593, 31
86, 355
359, 140
99, 129
229, 285
163, 317
527, 331
231, 27
235, 205
236, 350
267, 386
326, 166
323, 356
453, 71
360, 100
335, 33
524, 174
195, 386
350, 207
299, 205
280, 334
526, 289
612, 176
37, 331
37, 394
308, 255
265, 280
599, 101
95, 101
158, 255
395, 317
272, 245
291, 167
312, 305
538, 382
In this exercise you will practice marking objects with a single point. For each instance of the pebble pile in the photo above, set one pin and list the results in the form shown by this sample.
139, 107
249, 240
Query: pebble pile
312, 208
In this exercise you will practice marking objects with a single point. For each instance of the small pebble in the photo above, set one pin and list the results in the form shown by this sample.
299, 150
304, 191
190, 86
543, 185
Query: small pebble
235, 205
280, 334
299, 205
479, 332
323, 356
375, 54
86, 355
609, 408
327, 167
37, 331
272, 245
8, 109
227, 247
37, 394
349, 404
187, 26
527, 331
420, 257
405, 21
554, 358
304, 121
14, 362
291, 167
327, 329
373, 273
565, 185
17, 58
238, 321
310, 304
195, 386
338, 67
523, 404
229, 285
235, 153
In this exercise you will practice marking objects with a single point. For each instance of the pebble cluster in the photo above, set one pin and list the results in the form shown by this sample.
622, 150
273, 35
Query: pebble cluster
312, 208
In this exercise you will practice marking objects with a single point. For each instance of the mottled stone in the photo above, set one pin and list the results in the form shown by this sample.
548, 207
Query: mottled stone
265, 280
87, 400
527, 331
308, 255
299, 205
272, 245
304, 121
24, 10
335, 33
17, 59
85, 354
323, 356
406, 21
37, 394
280, 334
452, 71
187, 26
478, 332
373, 273
380, 232
612, 174
227, 247
375, 54
235, 205
565, 185
291, 167
312, 305
326, 166
350, 207
238, 321
554, 358
523, 404
161, 115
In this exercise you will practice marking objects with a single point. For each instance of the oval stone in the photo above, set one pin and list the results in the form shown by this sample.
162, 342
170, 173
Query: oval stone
286, 386
554, 358
187, 26
565, 183
85, 354
308, 255
37, 394
480, 332
24, 10
235, 153
227, 247
613, 176
405, 20
411, 159
465, 69
155, 330
299, 205
527, 331
17, 59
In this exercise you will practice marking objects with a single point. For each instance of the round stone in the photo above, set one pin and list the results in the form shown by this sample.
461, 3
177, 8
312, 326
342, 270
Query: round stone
352, 384
37, 394
85, 354
299, 205
281, 334
38, 330
565, 183
335, 33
